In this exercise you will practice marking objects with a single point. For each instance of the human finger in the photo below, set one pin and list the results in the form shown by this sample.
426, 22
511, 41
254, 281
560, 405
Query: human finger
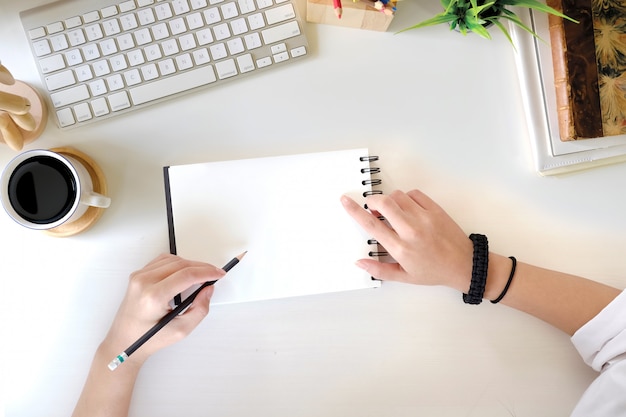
383, 271
186, 277
368, 221
423, 200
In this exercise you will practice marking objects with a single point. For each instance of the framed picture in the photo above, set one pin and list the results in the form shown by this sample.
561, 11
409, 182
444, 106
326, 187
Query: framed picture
534, 63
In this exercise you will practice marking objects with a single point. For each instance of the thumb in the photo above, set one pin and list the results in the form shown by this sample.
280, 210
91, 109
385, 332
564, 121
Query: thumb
384, 271
198, 310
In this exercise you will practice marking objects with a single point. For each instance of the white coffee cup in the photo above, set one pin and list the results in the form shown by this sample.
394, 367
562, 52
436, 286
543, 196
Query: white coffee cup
41, 189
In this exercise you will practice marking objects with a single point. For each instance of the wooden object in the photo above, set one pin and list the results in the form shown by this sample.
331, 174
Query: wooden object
99, 186
37, 116
359, 15
588, 72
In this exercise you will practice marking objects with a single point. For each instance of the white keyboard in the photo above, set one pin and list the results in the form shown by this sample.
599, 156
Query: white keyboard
98, 59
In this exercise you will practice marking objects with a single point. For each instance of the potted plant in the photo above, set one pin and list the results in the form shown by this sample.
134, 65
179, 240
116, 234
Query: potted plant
476, 15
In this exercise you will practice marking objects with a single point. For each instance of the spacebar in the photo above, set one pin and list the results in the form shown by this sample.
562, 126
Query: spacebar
172, 85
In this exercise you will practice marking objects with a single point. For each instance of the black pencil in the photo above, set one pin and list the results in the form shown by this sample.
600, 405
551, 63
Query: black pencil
119, 359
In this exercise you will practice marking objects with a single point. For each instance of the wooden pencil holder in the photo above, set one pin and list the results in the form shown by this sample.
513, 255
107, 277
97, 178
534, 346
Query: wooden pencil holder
23, 113
358, 15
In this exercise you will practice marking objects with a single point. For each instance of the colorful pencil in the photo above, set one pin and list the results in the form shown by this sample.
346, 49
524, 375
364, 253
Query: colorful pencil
338, 8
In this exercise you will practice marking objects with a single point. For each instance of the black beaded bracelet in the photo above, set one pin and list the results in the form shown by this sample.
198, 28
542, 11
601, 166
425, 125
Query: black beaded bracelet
479, 270
508, 283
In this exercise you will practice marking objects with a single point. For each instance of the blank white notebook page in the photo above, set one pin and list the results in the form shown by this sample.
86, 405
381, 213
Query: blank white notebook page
285, 211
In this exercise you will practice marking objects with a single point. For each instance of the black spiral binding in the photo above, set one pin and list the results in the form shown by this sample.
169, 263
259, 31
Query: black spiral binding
373, 182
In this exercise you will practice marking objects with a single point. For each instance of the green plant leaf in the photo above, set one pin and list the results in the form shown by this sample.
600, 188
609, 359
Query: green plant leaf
515, 19
537, 5
435, 20
500, 26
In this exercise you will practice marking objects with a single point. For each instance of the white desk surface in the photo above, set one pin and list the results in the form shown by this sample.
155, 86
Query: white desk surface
444, 112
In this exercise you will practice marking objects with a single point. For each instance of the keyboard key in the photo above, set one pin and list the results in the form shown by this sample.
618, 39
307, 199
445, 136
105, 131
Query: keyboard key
204, 37
187, 42
201, 56
108, 47
282, 57
126, 41
184, 62
146, 17
118, 63
91, 17
100, 107
135, 57
159, 31
218, 51
84, 73
59, 42
101, 68
212, 16
163, 11
194, 21
235, 46
132, 77
42, 47
252, 41
82, 112
129, 22
97, 88
246, 6
263, 62
69, 96
281, 32
152, 52
198, 4
73, 57
119, 101
226, 69
55, 27
149, 72
229, 10
299, 51
91, 52
180, 7
52, 63
245, 63
94, 32
279, 14
172, 85
108, 12
76, 37
115, 82
65, 117
166, 67
60, 80
127, 6
37, 33
73, 22
111, 27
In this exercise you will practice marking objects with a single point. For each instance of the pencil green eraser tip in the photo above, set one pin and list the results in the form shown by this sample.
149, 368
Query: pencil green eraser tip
118, 361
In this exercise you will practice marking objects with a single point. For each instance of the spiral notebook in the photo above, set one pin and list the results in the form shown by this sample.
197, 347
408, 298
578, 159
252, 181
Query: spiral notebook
285, 211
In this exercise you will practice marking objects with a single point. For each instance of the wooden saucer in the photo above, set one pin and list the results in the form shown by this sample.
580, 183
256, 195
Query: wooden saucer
38, 109
99, 186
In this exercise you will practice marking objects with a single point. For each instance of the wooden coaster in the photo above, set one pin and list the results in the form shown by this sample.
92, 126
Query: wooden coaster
99, 186
38, 109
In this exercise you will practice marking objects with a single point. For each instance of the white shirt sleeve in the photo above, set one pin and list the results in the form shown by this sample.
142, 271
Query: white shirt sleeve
602, 345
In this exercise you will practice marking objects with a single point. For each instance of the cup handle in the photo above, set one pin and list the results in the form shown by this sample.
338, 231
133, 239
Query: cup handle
96, 200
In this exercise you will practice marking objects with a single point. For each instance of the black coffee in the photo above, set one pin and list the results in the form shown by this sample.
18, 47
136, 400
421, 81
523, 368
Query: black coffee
42, 190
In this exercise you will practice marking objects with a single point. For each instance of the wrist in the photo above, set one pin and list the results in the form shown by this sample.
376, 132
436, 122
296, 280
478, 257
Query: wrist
497, 275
